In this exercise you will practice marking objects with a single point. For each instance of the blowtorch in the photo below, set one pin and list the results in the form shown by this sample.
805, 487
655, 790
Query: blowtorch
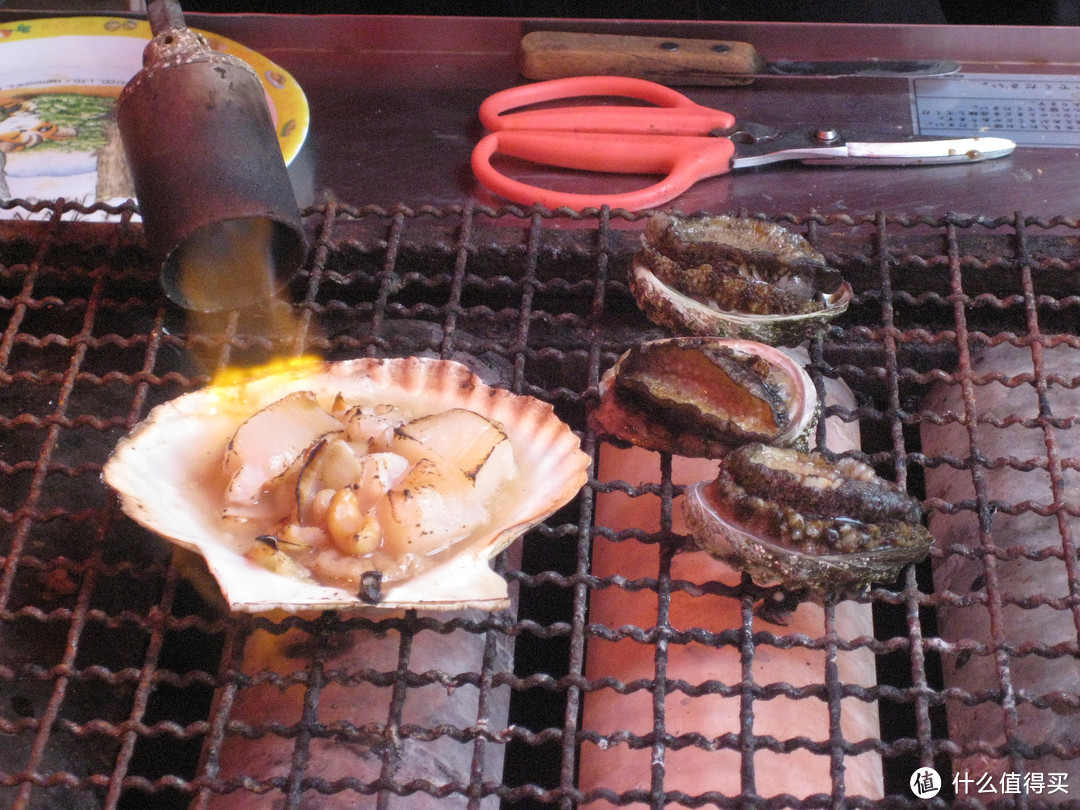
217, 206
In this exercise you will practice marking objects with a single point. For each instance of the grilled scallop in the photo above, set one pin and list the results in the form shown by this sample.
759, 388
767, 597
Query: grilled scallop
388, 482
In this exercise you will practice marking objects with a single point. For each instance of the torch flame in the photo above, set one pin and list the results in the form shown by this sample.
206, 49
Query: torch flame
239, 253
238, 375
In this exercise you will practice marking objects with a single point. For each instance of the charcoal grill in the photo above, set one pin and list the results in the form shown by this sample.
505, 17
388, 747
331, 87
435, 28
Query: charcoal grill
117, 671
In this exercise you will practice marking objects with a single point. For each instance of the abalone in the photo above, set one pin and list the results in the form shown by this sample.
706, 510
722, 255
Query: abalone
701, 396
797, 519
735, 277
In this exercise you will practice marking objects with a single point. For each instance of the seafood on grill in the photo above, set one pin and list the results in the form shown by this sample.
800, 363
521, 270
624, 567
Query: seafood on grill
700, 396
389, 482
795, 518
735, 277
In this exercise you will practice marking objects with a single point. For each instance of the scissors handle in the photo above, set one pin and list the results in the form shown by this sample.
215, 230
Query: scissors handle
683, 160
672, 113
671, 138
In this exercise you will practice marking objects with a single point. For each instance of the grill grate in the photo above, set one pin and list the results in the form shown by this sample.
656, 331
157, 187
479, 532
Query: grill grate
120, 680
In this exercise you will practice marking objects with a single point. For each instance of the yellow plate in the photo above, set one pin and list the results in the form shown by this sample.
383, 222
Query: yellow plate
63, 75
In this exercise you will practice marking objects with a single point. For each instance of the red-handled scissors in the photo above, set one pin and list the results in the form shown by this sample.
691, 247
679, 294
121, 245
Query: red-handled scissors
672, 138
675, 137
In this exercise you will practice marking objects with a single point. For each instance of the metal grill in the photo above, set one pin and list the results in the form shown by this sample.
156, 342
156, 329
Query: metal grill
122, 684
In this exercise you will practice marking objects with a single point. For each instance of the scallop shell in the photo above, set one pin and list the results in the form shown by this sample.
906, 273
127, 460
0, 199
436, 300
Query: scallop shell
168, 475
735, 244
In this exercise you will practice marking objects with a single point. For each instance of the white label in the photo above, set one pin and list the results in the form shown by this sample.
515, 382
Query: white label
1032, 110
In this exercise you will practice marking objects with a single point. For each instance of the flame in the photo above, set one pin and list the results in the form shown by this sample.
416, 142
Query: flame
241, 254
295, 366
285, 327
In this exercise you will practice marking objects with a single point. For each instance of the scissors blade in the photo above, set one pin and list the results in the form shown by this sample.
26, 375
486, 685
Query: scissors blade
879, 68
898, 153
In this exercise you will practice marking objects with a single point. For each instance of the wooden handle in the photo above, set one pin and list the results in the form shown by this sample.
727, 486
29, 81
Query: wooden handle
557, 54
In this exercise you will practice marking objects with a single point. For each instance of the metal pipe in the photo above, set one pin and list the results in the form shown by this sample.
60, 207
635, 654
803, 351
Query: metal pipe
164, 15
217, 206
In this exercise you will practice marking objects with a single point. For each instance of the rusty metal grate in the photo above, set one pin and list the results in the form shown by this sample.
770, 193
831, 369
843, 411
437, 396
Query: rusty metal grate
122, 685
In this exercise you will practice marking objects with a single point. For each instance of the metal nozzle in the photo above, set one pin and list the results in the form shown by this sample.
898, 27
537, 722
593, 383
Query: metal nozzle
217, 206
